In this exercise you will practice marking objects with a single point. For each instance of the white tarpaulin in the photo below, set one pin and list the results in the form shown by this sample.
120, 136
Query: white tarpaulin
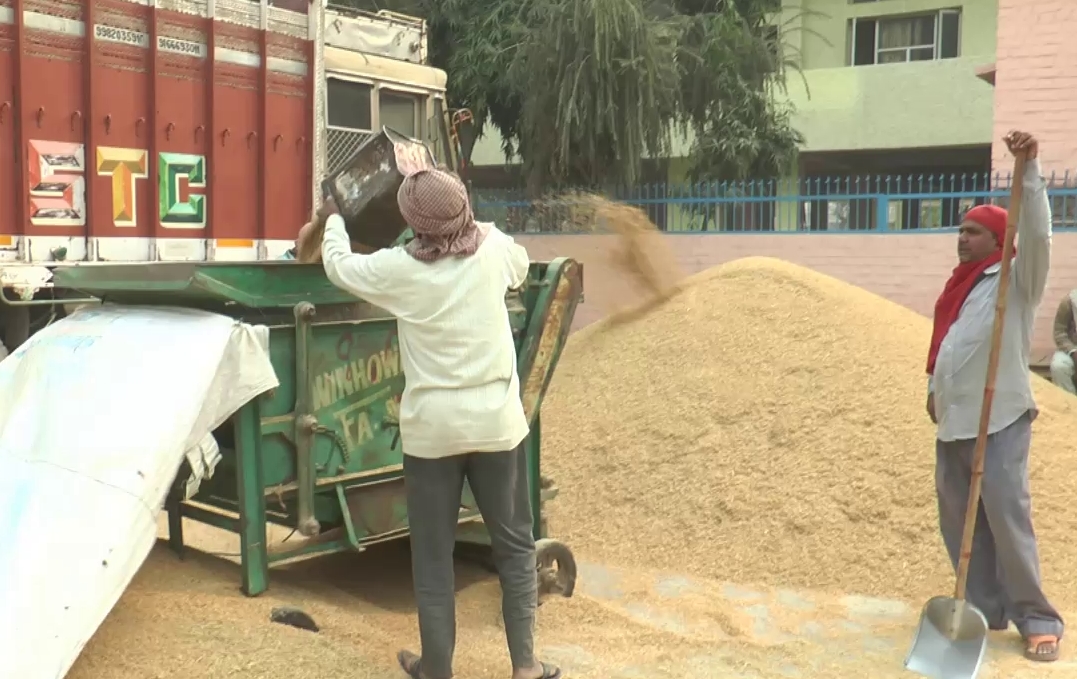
97, 412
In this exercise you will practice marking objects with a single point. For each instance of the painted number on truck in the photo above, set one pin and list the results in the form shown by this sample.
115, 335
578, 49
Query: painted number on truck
177, 46
120, 35
140, 39
57, 185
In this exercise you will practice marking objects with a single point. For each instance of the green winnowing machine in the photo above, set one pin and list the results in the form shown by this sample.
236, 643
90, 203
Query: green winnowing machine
321, 453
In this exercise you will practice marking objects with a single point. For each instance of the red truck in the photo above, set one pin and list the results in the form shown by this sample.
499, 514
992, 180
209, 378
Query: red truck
166, 130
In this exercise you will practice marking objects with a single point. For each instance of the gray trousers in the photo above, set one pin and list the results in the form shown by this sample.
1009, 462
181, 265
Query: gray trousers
499, 483
1004, 572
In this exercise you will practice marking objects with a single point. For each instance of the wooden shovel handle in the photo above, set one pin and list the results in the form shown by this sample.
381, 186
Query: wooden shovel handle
1013, 214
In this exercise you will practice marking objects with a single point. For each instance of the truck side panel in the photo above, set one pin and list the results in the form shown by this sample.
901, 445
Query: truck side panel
154, 134
184, 190
50, 108
119, 130
288, 139
237, 105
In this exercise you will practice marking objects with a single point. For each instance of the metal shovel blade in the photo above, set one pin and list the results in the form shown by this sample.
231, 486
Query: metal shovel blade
950, 642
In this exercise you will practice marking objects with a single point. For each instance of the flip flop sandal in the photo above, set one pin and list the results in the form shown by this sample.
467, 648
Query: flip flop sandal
1035, 653
550, 671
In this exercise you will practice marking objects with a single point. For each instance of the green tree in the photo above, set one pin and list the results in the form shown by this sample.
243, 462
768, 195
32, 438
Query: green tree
584, 90
734, 66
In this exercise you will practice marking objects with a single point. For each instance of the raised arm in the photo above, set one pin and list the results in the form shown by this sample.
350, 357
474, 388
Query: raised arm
1033, 259
368, 277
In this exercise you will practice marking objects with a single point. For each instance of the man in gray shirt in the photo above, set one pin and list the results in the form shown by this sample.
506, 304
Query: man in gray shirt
1004, 573
1062, 363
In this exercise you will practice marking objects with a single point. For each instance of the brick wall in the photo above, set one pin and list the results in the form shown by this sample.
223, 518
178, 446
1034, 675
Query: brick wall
909, 269
1036, 79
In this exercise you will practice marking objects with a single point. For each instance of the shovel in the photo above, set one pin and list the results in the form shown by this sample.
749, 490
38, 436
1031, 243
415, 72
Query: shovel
952, 637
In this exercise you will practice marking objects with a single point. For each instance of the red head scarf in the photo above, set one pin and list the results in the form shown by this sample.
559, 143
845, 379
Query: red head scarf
965, 277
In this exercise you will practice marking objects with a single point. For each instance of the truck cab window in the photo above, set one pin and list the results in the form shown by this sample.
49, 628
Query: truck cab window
348, 104
399, 111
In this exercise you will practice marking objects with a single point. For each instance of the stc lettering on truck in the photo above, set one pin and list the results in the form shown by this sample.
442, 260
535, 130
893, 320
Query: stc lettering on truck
57, 184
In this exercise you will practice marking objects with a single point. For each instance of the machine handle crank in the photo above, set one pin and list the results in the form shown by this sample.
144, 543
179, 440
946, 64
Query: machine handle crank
335, 437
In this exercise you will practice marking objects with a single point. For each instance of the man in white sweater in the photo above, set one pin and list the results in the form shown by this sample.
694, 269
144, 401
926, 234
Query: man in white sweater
461, 415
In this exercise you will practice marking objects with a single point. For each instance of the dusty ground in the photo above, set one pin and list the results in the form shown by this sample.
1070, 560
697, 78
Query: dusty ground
188, 620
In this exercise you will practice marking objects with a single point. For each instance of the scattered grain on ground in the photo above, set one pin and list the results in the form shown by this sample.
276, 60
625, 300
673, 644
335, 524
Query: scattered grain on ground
767, 425
187, 619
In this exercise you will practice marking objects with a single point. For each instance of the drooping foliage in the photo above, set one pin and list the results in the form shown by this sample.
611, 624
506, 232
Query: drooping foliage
584, 90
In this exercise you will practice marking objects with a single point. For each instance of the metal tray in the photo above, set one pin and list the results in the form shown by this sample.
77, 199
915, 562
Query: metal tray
365, 187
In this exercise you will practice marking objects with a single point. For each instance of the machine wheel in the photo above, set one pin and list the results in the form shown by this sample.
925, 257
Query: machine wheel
556, 568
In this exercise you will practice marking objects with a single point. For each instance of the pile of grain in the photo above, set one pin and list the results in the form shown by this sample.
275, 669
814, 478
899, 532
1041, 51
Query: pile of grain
766, 425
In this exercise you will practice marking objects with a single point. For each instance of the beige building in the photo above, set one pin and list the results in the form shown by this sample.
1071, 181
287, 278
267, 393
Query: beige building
890, 86
1036, 81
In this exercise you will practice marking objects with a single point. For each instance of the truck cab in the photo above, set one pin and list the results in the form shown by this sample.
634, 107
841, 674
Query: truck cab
376, 75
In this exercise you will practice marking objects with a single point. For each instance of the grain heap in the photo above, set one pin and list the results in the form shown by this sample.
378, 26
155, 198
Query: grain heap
766, 425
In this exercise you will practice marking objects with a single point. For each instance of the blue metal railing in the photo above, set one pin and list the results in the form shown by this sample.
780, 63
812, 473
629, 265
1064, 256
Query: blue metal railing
881, 203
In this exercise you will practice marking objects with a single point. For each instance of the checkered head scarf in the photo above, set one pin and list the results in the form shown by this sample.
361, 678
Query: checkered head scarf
435, 205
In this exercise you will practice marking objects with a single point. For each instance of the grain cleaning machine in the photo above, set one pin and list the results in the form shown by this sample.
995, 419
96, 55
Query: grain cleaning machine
321, 453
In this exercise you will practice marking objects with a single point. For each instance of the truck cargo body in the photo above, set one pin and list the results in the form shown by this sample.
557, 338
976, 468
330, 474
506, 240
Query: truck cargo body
185, 130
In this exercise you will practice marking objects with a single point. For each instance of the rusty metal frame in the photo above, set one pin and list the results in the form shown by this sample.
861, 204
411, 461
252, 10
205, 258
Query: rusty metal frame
558, 292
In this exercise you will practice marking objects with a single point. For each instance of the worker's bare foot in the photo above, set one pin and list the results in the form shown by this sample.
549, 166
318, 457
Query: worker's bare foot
1042, 647
539, 671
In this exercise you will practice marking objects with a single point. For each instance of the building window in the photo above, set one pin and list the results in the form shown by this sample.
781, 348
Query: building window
898, 39
400, 112
347, 105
